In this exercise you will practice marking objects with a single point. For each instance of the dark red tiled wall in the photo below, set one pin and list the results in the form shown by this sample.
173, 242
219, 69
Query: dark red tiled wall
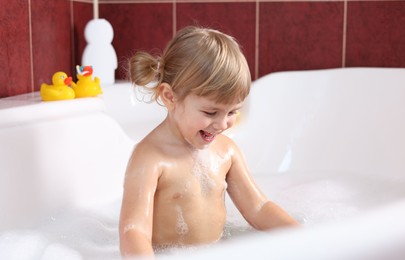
146, 27
51, 39
300, 36
15, 68
236, 19
81, 14
31, 50
41, 37
376, 34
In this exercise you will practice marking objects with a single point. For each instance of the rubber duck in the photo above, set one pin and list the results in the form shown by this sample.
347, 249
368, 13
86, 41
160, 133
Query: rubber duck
86, 86
60, 89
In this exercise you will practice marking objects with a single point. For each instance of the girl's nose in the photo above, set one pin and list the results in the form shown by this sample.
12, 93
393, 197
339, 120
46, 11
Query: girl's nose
222, 123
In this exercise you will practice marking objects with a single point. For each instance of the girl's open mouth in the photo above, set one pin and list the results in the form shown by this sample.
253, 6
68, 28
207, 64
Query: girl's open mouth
206, 136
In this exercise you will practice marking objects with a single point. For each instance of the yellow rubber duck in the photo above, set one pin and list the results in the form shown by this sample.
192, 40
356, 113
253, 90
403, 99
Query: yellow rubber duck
60, 89
86, 86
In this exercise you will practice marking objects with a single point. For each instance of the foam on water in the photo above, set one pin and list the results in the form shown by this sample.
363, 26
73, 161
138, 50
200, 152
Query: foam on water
93, 234
60, 252
75, 234
24, 244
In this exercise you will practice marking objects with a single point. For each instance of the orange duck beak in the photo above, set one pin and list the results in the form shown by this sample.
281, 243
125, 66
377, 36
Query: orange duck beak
68, 81
87, 71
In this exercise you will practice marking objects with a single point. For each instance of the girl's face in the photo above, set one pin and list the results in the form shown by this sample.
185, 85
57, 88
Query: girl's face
200, 119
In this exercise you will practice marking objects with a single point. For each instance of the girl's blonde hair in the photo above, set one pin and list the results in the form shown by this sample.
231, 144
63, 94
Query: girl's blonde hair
199, 61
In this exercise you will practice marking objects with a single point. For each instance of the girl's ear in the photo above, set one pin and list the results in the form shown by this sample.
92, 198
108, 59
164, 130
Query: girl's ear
167, 96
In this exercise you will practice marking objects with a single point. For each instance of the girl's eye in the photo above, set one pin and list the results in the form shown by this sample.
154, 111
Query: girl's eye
209, 113
233, 113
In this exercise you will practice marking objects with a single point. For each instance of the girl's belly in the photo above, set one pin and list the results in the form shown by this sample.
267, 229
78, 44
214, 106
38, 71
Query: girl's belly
191, 223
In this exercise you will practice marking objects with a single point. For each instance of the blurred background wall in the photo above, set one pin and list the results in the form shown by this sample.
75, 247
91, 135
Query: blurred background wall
40, 37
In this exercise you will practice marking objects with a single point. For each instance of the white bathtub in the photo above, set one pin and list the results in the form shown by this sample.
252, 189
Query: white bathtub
326, 145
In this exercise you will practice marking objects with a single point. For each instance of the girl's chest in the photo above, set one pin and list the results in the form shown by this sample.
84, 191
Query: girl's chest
201, 174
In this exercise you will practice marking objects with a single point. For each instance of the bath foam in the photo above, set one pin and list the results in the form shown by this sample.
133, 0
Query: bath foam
60, 252
94, 234
24, 245
132, 226
181, 225
201, 169
175, 249
329, 196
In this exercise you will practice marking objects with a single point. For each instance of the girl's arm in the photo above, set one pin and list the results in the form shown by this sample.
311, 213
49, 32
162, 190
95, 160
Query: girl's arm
136, 218
261, 213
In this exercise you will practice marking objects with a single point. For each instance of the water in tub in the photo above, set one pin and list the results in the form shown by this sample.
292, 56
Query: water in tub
84, 234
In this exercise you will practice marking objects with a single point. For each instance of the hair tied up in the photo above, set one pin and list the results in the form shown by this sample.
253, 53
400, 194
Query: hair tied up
158, 71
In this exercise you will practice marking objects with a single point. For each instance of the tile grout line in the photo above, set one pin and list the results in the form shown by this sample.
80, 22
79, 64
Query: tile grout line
344, 34
174, 14
31, 49
72, 24
257, 40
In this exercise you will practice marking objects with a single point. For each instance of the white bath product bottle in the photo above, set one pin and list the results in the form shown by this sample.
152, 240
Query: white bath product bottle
99, 51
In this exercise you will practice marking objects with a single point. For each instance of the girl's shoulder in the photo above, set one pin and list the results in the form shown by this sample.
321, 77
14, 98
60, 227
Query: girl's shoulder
225, 140
160, 147
226, 144
148, 147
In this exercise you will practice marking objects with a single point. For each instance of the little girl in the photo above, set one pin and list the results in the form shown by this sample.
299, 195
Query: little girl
178, 174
